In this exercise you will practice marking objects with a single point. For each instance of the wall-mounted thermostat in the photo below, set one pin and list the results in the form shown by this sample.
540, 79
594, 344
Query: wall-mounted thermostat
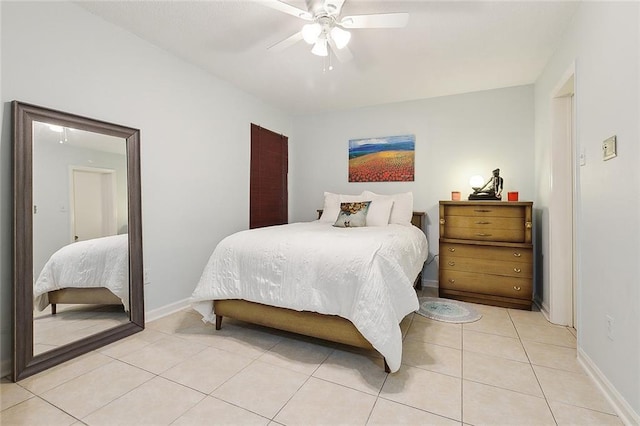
609, 149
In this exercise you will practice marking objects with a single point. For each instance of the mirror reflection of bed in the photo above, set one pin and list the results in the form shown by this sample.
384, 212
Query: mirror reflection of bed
81, 265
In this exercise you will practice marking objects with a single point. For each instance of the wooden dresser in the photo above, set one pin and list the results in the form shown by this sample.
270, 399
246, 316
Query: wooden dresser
486, 254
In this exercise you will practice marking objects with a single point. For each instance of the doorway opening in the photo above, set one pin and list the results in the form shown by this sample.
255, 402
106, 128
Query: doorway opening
93, 203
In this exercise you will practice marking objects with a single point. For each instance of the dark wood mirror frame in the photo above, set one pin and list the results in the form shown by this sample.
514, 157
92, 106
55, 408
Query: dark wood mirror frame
25, 363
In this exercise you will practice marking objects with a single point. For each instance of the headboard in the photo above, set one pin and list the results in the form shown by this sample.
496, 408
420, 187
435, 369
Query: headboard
417, 219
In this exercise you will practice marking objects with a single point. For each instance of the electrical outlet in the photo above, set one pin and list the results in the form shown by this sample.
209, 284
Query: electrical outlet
147, 280
610, 322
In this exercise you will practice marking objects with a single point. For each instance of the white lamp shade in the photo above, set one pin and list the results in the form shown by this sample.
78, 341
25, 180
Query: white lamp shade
476, 181
311, 32
320, 48
340, 37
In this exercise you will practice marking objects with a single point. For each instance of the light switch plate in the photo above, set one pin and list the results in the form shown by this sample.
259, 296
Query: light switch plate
609, 149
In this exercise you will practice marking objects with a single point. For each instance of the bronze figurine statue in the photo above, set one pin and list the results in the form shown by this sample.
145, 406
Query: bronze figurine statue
492, 190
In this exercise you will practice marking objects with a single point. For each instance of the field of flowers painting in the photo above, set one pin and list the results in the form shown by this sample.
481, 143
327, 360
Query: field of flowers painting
387, 159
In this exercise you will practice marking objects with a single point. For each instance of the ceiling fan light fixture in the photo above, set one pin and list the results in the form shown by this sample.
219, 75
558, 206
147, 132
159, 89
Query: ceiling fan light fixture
340, 37
311, 32
320, 48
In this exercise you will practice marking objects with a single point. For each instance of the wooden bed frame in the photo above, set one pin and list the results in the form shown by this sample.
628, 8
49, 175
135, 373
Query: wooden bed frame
328, 327
74, 295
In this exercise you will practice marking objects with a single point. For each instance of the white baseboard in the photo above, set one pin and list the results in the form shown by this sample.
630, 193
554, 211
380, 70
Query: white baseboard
169, 309
544, 308
617, 401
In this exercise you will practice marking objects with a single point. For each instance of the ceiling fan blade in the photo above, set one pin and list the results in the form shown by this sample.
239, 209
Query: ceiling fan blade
378, 20
287, 8
343, 55
289, 41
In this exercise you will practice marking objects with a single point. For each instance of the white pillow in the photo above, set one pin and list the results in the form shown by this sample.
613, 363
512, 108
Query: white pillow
379, 212
402, 210
331, 208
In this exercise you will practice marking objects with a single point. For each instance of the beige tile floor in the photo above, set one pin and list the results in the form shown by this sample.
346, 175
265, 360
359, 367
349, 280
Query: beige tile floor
73, 322
510, 367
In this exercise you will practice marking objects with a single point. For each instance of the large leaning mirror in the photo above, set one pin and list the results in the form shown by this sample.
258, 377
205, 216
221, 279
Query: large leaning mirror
78, 274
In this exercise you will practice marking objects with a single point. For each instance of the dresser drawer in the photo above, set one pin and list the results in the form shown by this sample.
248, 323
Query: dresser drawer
505, 254
486, 211
520, 288
488, 221
486, 266
481, 223
485, 234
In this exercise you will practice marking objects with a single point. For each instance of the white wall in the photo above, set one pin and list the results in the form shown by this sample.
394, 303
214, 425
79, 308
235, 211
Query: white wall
456, 137
604, 42
195, 135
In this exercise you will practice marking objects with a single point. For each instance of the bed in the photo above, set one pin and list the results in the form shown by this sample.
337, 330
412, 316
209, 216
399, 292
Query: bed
95, 271
284, 277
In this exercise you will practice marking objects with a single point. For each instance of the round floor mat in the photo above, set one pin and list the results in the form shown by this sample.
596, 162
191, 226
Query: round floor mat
447, 310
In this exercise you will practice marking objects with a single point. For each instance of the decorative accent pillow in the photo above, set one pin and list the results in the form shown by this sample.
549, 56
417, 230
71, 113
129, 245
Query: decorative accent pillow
379, 212
332, 202
353, 214
402, 210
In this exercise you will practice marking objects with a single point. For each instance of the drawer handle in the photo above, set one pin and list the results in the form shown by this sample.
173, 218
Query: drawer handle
483, 223
452, 249
451, 263
482, 234
517, 288
516, 254
452, 281
517, 270
482, 211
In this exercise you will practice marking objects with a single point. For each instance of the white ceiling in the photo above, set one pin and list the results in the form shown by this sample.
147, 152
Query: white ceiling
448, 47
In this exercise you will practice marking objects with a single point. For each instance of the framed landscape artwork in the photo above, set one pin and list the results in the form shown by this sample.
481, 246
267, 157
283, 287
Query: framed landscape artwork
385, 159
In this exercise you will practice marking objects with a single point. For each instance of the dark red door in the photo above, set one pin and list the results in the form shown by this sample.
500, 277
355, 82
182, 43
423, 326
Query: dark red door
269, 167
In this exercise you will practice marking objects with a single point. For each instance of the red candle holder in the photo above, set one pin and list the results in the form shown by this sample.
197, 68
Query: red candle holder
512, 196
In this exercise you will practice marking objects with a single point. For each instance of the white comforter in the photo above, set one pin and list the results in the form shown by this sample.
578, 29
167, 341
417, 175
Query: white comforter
100, 262
363, 274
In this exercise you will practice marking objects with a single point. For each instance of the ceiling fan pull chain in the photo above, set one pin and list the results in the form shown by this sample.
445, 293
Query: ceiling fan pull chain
324, 62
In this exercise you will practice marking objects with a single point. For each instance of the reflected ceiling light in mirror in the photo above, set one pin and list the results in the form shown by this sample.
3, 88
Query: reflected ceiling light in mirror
54, 128
63, 134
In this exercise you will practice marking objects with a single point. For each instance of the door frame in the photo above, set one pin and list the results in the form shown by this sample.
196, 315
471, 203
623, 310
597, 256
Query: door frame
113, 216
563, 204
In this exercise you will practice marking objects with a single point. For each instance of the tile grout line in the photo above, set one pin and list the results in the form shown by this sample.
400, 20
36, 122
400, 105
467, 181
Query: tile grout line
462, 374
533, 369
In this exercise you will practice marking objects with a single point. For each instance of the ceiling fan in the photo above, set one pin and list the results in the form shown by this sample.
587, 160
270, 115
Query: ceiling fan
326, 29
